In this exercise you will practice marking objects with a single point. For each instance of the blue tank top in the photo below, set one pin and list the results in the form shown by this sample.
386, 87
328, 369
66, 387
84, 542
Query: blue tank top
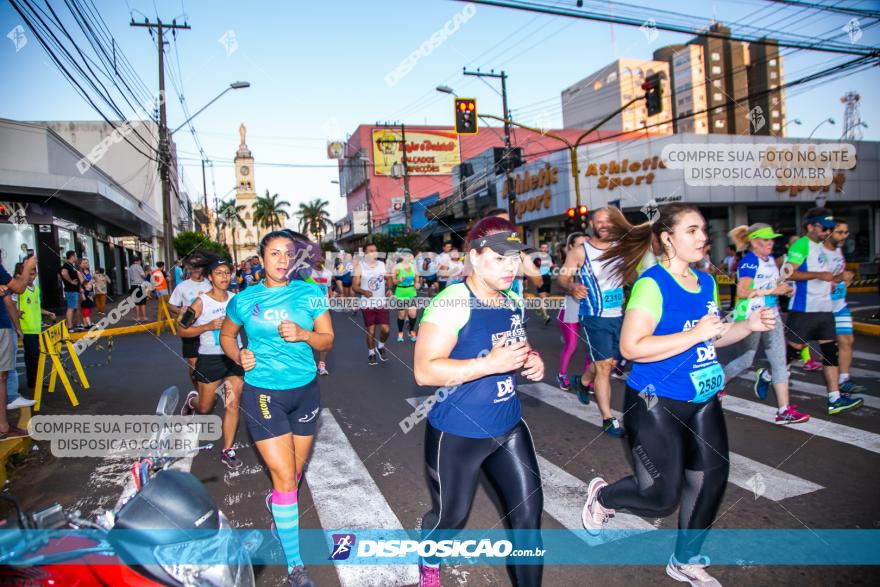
694, 375
487, 407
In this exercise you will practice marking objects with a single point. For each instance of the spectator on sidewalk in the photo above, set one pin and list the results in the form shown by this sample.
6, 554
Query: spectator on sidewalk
8, 342
70, 281
179, 273
13, 398
31, 312
102, 280
136, 279
160, 279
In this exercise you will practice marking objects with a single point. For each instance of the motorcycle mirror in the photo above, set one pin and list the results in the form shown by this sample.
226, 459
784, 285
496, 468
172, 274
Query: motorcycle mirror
168, 401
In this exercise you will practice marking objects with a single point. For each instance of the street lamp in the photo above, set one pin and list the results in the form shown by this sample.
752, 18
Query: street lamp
853, 127
829, 120
446, 90
796, 121
164, 136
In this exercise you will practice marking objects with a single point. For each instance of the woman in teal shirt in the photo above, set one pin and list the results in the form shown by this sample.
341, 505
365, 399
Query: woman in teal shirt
285, 319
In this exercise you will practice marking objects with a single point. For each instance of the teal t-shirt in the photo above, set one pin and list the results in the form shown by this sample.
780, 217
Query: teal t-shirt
259, 310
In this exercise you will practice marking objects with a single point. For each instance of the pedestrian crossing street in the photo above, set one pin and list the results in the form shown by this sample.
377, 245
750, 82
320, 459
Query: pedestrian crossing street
346, 496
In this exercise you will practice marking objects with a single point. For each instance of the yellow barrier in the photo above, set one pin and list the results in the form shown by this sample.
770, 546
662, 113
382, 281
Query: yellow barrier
51, 340
163, 309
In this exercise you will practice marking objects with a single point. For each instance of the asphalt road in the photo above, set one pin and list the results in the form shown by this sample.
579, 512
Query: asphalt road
823, 475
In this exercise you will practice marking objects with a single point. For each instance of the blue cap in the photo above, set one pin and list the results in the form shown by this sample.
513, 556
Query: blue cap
825, 221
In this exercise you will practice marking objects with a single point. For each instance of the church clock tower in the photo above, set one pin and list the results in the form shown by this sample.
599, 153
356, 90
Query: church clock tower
245, 195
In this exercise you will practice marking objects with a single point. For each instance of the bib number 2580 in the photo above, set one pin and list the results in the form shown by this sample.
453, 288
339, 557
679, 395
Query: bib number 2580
707, 381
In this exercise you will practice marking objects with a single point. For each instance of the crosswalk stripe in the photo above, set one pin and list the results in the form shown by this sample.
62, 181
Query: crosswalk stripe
815, 389
859, 373
778, 485
564, 496
346, 496
862, 355
824, 428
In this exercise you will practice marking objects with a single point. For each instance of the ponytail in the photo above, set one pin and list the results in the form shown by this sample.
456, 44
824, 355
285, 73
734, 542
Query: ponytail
740, 237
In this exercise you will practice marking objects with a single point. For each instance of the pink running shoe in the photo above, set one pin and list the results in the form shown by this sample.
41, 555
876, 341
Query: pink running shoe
429, 576
812, 365
791, 416
594, 514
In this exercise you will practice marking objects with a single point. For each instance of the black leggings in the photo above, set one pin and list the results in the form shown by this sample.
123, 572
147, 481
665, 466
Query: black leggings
454, 463
680, 456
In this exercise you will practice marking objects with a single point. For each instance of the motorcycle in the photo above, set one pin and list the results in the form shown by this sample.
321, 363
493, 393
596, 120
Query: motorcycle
167, 532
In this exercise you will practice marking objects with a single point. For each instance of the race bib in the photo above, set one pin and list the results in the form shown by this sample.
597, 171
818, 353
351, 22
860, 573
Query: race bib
770, 301
839, 291
217, 337
407, 281
612, 298
707, 382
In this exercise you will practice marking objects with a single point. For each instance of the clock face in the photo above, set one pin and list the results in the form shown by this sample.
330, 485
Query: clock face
245, 170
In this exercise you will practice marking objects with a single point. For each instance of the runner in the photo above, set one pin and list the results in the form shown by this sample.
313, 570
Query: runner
344, 268
428, 271
674, 422
568, 323
406, 287
479, 426
528, 270
545, 264
442, 262
456, 272
810, 316
842, 316
323, 276
184, 294
370, 277
590, 278
285, 321
758, 286
203, 319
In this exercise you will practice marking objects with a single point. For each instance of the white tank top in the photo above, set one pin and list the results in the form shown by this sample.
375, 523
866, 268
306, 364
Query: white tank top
209, 341
373, 281
604, 289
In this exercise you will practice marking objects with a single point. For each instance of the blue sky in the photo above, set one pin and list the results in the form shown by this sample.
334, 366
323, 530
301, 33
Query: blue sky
318, 69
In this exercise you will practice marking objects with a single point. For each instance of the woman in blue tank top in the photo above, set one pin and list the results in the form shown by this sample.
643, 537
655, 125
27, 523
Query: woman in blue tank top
672, 414
472, 342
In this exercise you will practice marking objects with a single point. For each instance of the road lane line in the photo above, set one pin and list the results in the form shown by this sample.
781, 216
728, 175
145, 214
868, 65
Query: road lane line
815, 389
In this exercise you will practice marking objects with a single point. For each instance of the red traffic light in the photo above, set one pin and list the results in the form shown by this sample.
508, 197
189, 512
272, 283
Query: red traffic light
471, 106
462, 106
570, 213
583, 210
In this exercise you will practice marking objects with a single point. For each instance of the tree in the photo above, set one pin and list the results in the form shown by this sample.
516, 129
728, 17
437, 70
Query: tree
187, 242
230, 214
314, 218
268, 211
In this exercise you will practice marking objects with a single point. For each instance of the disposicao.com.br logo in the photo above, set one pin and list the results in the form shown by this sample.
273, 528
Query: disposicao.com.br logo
344, 545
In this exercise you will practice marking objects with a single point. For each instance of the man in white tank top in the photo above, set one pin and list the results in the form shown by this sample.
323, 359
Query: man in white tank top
587, 279
371, 280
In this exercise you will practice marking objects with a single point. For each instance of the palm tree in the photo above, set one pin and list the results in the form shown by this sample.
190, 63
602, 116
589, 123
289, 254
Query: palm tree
268, 211
230, 214
314, 217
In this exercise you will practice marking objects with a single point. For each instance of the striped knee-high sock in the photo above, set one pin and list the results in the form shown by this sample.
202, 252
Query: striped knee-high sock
285, 510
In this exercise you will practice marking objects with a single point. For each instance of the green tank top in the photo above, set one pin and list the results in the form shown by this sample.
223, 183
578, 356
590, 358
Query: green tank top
406, 283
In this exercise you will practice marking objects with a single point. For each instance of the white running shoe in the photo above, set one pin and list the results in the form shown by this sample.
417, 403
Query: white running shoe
594, 513
20, 402
694, 574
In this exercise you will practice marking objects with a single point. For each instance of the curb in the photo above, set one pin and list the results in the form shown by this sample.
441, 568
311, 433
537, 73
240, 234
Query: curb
865, 328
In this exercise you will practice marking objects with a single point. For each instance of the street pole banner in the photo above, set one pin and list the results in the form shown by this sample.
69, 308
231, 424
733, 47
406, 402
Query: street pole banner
51, 340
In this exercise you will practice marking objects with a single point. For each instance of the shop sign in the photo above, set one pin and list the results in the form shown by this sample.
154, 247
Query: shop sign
624, 173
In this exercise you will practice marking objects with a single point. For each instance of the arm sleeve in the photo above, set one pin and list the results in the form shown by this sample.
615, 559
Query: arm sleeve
748, 267
232, 311
799, 251
646, 296
449, 309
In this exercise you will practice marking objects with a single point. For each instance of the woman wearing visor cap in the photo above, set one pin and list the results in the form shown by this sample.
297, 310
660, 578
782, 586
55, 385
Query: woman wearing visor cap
472, 342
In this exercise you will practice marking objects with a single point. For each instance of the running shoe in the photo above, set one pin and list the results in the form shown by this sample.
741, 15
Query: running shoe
20, 402
229, 458
583, 392
546, 319
595, 514
848, 387
563, 382
299, 577
812, 365
791, 416
618, 373
843, 404
399, 337
612, 428
13, 433
413, 336
694, 574
322, 368
429, 576
762, 383
189, 404
371, 359
383, 354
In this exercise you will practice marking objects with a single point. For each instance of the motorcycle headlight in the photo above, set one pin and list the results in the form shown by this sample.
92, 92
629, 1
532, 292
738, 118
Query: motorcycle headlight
182, 560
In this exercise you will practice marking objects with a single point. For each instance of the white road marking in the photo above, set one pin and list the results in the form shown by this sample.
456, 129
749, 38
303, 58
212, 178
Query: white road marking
814, 389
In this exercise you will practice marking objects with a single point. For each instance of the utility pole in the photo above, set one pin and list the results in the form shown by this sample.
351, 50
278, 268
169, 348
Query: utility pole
205, 192
407, 213
369, 198
508, 151
164, 155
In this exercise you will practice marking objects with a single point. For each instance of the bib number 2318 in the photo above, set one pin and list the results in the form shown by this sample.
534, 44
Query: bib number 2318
707, 382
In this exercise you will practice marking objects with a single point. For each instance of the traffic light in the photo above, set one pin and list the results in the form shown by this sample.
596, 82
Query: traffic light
466, 116
584, 217
570, 221
653, 94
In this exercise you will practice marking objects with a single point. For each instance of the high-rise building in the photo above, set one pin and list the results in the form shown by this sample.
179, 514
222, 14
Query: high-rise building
765, 81
599, 94
688, 87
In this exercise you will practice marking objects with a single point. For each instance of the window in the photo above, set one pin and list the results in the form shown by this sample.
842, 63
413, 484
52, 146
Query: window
775, 126
716, 70
716, 83
774, 113
597, 85
716, 56
716, 97
611, 77
701, 124
772, 63
773, 75
719, 124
